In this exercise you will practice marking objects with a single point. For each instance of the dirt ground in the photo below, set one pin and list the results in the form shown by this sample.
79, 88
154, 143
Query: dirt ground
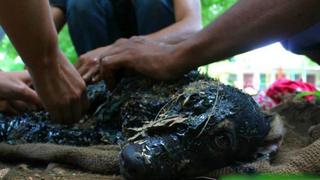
30, 172
21, 171
299, 119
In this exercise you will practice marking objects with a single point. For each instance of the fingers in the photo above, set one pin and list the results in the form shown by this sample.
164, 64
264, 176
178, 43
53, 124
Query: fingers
24, 76
81, 66
108, 66
88, 67
6, 108
85, 64
22, 106
88, 64
88, 76
97, 77
78, 64
71, 110
28, 95
16, 107
76, 110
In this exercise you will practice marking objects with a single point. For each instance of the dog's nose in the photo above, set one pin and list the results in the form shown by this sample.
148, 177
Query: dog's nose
132, 164
150, 158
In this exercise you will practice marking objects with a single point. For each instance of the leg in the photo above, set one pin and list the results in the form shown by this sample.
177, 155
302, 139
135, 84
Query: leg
307, 41
153, 15
91, 24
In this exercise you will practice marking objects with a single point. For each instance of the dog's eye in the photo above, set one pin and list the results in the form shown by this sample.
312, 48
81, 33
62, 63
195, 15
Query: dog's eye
223, 141
190, 101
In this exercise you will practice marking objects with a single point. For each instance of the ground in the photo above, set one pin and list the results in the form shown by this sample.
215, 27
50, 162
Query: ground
47, 171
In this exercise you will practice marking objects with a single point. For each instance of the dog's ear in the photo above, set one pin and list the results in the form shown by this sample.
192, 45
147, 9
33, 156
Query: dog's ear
273, 140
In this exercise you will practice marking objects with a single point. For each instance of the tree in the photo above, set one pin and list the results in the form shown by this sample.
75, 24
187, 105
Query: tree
211, 9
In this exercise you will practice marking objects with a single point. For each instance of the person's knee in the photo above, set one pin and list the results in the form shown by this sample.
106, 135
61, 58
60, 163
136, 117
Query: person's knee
153, 15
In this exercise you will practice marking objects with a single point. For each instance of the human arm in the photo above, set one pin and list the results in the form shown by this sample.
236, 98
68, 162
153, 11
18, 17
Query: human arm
247, 25
15, 86
58, 17
29, 25
187, 22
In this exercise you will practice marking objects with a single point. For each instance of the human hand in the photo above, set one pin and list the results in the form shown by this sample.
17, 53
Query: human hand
24, 76
16, 94
61, 90
153, 59
88, 64
13, 86
15, 107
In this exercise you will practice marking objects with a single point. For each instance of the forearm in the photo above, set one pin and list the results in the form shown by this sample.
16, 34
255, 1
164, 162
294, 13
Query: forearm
187, 23
247, 25
58, 17
177, 32
29, 26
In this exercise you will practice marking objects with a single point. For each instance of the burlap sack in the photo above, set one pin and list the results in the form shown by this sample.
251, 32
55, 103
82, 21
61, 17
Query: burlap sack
99, 159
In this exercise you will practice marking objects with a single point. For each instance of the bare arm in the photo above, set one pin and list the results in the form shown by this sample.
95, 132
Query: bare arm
58, 17
188, 22
248, 25
29, 25
20, 20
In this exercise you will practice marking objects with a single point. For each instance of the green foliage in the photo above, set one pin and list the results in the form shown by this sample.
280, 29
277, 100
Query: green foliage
272, 177
302, 95
66, 45
211, 9
10, 61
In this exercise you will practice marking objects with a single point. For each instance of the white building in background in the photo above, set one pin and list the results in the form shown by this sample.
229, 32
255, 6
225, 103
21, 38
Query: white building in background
258, 69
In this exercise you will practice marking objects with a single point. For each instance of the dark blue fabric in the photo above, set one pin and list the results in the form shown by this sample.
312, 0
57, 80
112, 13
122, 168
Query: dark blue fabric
96, 23
304, 42
153, 15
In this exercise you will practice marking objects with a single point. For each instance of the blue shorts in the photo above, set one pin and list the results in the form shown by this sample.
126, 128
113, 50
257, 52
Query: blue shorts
305, 42
97, 23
